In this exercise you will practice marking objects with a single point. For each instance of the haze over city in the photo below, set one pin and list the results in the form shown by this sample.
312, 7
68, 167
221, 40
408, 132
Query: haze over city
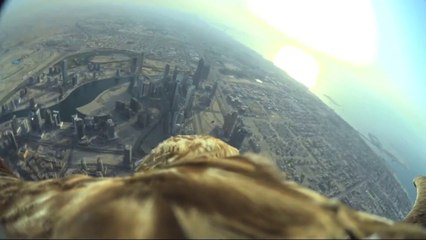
362, 58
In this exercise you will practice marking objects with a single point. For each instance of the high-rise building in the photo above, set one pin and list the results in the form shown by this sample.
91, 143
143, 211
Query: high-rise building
36, 120
26, 126
127, 159
197, 75
167, 122
144, 119
238, 135
166, 72
11, 140
56, 118
132, 84
91, 66
135, 105
80, 128
111, 134
16, 128
229, 123
215, 85
177, 120
146, 88
189, 99
89, 122
120, 106
204, 72
64, 71
175, 96
73, 119
32, 104
48, 118
175, 72
134, 65
74, 80
100, 165
83, 165
141, 59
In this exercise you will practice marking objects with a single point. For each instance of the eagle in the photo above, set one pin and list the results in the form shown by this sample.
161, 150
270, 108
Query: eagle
190, 186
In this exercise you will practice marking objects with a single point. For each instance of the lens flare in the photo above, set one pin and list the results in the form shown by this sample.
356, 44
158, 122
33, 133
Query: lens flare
344, 29
298, 64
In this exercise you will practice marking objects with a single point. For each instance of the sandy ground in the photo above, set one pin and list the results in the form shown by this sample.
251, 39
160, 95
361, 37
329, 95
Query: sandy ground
105, 102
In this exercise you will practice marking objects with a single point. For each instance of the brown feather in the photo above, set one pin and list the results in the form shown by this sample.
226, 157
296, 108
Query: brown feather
5, 171
187, 187
417, 215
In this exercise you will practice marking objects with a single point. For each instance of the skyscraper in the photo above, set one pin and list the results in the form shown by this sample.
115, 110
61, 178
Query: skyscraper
197, 75
48, 118
36, 120
127, 159
80, 128
56, 118
143, 119
204, 72
175, 72
135, 105
189, 99
166, 71
229, 123
15, 125
134, 65
11, 140
111, 134
64, 71
175, 96
238, 135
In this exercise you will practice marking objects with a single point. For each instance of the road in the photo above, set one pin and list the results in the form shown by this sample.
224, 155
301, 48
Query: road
6, 98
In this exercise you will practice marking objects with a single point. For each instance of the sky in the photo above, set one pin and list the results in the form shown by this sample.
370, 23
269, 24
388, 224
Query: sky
367, 55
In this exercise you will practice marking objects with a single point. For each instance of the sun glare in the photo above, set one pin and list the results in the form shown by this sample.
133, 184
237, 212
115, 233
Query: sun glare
298, 64
344, 29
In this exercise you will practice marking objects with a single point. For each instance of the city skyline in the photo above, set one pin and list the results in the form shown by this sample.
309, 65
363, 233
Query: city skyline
367, 87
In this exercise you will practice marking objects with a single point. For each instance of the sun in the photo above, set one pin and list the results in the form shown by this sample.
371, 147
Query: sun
343, 29
298, 64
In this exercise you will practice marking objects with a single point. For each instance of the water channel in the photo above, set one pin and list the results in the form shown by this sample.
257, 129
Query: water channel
82, 95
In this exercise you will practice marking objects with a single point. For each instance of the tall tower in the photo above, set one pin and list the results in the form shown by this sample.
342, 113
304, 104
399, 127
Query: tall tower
56, 118
134, 65
175, 72
111, 134
48, 118
36, 121
11, 139
166, 71
189, 99
238, 135
80, 128
198, 72
127, 159
15, 125
141, 62
64, 71
175, 96
229, 123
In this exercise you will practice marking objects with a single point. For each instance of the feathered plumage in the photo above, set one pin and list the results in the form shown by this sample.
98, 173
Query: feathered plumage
187, 187
417, 214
